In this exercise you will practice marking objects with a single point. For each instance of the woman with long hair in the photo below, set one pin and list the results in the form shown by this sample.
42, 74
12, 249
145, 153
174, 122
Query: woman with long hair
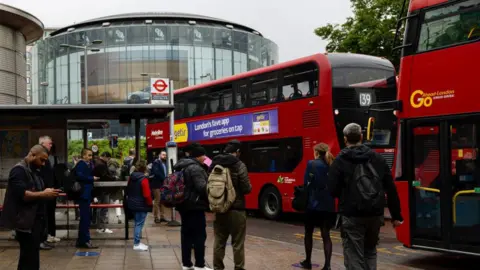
320, 210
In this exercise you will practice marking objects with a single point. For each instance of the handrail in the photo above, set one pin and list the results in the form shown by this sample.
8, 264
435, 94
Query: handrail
454, 201
429, 189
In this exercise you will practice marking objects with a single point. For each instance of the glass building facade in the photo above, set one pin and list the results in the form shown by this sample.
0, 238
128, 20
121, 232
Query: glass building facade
187, 49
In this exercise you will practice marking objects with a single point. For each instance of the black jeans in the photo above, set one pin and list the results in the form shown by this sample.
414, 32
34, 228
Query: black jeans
51, 206
30, 247
194, 233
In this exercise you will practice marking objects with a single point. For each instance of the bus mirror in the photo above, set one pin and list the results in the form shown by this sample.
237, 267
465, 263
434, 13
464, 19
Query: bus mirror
370, 126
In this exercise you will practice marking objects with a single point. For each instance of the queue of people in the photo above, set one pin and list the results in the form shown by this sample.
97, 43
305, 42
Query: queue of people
29, 207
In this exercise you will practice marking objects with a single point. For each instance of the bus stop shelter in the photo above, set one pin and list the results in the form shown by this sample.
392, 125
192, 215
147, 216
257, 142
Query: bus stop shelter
27, 122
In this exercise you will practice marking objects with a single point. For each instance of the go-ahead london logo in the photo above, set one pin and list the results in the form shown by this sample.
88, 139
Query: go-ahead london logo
420, 98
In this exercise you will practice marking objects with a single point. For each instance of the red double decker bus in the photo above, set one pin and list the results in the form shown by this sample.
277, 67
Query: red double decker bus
279, 113
436, 165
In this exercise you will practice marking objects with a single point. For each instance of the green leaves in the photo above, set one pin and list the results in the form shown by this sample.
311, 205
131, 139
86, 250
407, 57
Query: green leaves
75, 147
370, 31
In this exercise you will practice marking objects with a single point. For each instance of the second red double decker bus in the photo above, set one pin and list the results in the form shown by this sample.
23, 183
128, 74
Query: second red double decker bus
279, 113
437, 166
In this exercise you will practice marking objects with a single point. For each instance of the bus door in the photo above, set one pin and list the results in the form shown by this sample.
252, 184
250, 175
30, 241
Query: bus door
426, 197
445, 184
465, 183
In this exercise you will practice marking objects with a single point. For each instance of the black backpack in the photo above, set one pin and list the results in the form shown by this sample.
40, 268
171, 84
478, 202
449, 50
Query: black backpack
366, 189
71, 185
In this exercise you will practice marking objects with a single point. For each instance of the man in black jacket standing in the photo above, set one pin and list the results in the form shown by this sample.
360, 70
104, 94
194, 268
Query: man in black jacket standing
192, 210
361, 220
48, 175
24, 208
101, 170
234, 221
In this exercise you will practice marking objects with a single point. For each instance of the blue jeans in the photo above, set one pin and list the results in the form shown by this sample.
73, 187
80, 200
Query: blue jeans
139, 218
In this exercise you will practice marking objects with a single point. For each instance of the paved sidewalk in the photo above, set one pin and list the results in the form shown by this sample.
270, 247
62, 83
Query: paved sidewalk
165, 253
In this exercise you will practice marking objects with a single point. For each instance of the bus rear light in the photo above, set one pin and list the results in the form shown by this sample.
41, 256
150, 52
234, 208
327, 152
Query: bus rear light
395, 112
336, 112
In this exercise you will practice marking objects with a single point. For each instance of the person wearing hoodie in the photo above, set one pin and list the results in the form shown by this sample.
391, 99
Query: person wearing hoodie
234, 221
360, 229
139, 201
192, 210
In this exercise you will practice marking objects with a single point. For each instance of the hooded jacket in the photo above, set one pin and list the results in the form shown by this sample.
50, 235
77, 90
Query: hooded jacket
239, 174
139, 198
342, 169
195, 177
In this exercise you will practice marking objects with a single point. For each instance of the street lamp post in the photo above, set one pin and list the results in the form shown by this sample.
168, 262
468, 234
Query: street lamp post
86, 48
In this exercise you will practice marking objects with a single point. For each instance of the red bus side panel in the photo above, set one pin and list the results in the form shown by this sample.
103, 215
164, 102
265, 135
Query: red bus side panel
403, 231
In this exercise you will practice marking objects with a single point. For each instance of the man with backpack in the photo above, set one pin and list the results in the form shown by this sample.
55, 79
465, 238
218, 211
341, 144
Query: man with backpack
227, 186
127, 164
192, 208
360, 177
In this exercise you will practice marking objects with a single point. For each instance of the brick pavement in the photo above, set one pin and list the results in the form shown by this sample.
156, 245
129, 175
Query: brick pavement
165, 253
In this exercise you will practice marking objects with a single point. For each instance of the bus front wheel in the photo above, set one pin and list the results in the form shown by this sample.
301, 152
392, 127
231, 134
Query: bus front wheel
271, 203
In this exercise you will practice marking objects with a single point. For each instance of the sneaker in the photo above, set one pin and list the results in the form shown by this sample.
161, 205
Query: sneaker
140, 247
53, 239
104, 230
202, 268
188, 268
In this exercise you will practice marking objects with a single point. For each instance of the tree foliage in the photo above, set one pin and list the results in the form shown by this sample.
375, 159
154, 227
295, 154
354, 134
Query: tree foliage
370, 31
75, 147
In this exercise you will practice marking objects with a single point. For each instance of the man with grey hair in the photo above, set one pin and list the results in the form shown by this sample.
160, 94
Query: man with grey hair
48, 175
360, 177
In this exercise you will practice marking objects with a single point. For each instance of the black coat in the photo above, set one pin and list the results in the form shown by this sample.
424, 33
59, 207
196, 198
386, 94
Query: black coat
195, 176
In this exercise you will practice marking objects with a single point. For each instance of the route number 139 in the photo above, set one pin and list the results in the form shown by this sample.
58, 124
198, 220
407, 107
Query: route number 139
365, 99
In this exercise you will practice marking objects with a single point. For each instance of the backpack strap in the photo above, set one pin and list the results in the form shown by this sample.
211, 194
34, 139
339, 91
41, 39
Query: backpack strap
372, 169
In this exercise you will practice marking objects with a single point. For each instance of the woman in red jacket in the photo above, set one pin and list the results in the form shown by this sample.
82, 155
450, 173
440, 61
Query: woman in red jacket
139, 201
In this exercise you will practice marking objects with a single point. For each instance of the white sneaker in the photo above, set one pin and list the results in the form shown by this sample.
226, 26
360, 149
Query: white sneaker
140, 247
203, 268
53, 239
187, 268
104, 230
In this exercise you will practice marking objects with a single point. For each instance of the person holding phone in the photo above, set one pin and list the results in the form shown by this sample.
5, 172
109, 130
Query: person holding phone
24, 206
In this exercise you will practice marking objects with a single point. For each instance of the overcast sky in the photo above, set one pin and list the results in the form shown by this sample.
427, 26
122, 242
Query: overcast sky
289, 23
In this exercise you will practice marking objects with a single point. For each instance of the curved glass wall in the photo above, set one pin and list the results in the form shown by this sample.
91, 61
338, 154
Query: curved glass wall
187, 54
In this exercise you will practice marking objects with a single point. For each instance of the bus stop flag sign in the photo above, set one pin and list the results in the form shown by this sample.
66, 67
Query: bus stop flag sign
160, 90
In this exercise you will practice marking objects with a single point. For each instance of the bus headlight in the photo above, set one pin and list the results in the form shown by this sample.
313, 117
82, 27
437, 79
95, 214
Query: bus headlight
336, 112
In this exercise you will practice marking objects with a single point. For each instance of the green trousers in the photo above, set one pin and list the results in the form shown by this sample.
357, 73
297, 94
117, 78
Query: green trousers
232, 223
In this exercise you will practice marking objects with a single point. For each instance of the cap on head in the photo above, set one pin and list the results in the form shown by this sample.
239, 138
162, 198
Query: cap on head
198, 151
353, 133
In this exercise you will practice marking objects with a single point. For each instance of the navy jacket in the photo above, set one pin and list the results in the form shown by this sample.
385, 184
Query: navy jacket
84, 173
319, 198
139, 198
159, 174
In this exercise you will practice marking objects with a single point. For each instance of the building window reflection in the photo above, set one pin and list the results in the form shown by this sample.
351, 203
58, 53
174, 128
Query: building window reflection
186, 53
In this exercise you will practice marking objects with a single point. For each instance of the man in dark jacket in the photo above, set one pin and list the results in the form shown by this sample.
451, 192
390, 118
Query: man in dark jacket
159, 173
234, 221
360, 228
47, 173
192, 210
24, 208
101, 170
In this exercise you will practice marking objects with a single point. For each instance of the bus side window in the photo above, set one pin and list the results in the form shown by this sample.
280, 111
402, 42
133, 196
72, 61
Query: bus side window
300, 81
179, 108
241, 97
261, 92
